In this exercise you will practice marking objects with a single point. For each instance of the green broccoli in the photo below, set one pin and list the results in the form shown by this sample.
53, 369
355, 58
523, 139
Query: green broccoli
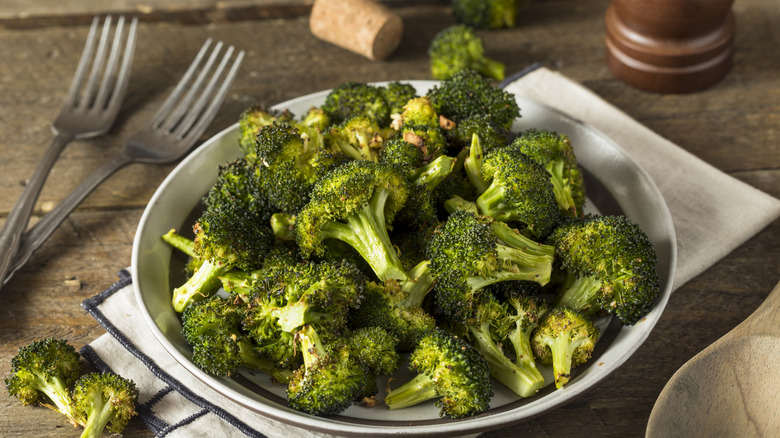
329, 381
356, 203
611, 265
468, 94
397, 94
289, 164
491, 135
525, 312
212, 328
104, 401
417, 111
449, 370
458, 48
351, 99
375, 349
359, 137
555, 152
428, 139
485, 14
43, 372
565, 338
238, 183
470, 252
252, 120
519, 191
315, 118
487, 328
399, 152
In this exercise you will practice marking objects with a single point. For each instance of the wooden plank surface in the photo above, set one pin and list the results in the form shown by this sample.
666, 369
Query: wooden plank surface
733, 126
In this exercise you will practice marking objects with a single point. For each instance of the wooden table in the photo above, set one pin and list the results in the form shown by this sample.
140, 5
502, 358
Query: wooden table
735, 126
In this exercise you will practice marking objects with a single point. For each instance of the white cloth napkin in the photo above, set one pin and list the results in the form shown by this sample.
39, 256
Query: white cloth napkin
703, 201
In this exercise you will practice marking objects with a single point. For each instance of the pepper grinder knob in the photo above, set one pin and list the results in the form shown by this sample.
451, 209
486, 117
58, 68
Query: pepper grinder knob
670, 46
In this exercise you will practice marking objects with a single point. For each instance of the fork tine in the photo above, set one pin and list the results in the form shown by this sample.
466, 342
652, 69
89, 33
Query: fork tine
189, 118
124, 73
97, 65
215, 102
173, 118
109, 76
165, 108
86, 57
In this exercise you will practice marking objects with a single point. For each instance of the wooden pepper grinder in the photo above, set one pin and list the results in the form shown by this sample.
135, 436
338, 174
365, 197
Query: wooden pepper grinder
670, 46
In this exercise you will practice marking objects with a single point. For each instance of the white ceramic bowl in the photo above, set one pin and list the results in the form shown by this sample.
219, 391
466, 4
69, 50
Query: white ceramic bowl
615, 184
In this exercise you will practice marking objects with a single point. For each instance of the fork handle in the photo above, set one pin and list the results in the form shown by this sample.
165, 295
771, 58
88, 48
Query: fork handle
18, 218
41, 231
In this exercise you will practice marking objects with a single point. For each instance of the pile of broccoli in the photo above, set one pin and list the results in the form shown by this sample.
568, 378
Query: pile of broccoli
47, 373
384, 223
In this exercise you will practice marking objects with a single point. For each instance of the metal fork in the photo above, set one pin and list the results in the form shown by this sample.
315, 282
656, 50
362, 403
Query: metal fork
88, 111
169, 135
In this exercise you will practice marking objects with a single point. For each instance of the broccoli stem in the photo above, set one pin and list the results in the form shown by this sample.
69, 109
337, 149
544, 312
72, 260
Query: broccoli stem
57, 391
421, 281
561, 187
201, 285
457, 203
524, 356
311, 346
433, 173
99, 416
562, 348
516, 240
523, 379
180, 242
579, 293
491, 68
283, 225
491, 203
251, 360
419, 389
516, 264
473, 165
366, 231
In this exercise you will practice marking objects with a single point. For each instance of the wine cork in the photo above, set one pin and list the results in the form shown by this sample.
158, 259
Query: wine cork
361, 26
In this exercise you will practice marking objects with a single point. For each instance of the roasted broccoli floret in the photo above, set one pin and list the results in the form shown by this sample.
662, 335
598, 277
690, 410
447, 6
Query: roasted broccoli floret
449, 370
611, 265
290, 162
43, 372
399, 152
428, 139
519, 190
487, 328
329, 381
104, 401
485, 14
358, 137
238, 183
525, 312
468, 94
398, 311
213, 329
555, 152
375, 349
458, 48
417, 111
351, 99
470, 252
491, 135
252, 120
397, 94
318, 294
356, 203
316, 118
565, 338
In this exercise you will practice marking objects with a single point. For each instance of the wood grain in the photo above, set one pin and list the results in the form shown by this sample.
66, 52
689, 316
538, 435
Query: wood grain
733, 126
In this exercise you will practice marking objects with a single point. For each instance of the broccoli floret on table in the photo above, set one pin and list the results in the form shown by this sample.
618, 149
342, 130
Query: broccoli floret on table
555, 153
485, 14
458, 48
448, 370
610, 262
565, 339
43, 372
104, 401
